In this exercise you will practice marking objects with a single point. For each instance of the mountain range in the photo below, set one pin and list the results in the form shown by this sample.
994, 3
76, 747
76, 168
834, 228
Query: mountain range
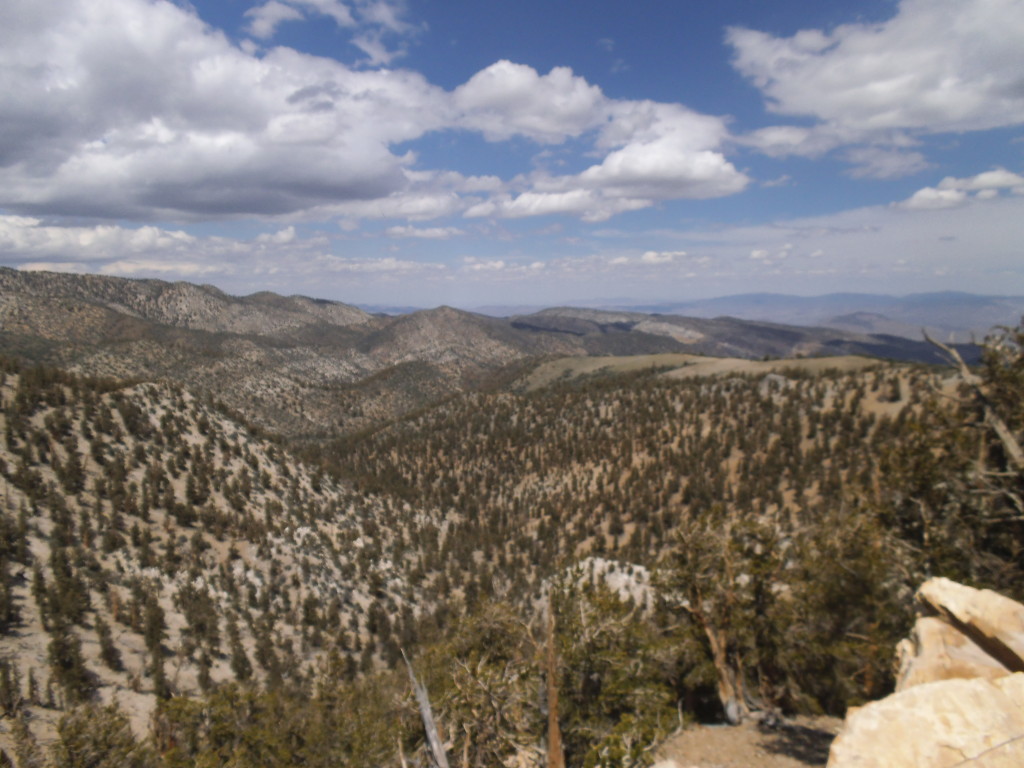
949, 316
308, 367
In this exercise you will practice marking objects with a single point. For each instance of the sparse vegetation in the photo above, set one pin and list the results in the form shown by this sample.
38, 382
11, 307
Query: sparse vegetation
713, 547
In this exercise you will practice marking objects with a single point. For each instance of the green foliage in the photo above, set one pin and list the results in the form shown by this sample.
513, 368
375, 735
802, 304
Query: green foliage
949, 485
484, 682
109, 651
791, 617
241, 727
67, 665
618, 687
91, 736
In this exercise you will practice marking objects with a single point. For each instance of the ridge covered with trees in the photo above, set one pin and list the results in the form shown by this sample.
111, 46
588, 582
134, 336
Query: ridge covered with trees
176, 589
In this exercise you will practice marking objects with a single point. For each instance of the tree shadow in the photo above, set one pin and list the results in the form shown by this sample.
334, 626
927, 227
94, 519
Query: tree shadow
808, 745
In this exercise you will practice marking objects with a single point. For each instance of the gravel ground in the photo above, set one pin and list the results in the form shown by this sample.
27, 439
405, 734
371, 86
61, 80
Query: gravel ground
798, 743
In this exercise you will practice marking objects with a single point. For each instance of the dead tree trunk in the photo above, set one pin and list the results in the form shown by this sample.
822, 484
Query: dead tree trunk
437, 753
556, 756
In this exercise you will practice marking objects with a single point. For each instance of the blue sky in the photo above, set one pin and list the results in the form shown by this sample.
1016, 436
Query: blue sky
470, 153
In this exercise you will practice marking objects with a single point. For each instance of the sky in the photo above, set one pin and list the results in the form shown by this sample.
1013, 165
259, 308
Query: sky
429, 152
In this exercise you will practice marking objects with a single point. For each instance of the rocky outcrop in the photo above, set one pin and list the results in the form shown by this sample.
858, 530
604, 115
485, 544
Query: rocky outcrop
960, 688
943, 724
936, 651
993, 622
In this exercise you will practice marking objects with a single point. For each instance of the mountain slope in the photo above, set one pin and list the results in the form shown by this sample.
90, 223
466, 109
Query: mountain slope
151, 545
312, 369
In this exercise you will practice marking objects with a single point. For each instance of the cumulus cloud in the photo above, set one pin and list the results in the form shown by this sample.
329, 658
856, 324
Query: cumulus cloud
24, 237
508, 99
952, 192
656, 152
936, 66
141, 111
996, 179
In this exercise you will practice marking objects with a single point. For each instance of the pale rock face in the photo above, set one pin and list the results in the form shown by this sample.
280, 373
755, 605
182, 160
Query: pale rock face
936, 651
942, 724
960, 688
992, 621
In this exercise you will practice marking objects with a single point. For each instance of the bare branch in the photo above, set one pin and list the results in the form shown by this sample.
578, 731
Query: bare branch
1010, 444
440, 759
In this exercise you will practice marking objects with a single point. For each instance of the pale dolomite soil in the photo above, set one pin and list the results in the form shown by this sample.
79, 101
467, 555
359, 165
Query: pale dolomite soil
803, 742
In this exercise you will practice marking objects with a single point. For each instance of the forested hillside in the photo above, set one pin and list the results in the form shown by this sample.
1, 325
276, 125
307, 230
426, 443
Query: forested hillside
710, 547
153, 547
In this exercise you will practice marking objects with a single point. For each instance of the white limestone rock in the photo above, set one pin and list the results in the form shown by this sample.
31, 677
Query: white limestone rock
937, 725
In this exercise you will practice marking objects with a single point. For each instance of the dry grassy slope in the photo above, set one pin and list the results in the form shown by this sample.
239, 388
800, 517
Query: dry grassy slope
679, 366
268, 534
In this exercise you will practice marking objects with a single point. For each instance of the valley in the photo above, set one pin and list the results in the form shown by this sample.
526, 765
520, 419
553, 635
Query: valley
226, 519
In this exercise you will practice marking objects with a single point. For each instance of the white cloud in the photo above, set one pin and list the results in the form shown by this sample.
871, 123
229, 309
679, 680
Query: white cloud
936, 66
377, 52
876, 249
661, 257
293, 263
425, 233
508, 99
264, 19
784, 140
588, 204
178, 269
663, 170
884, 163
334, 9
657, 152
134, 109
383, 266
141, 111
931, 198
472, 264
384, 14
952, 192
997, 178
281, 237
114, 249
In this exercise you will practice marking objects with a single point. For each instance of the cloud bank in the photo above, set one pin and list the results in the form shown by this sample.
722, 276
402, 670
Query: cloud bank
130, 109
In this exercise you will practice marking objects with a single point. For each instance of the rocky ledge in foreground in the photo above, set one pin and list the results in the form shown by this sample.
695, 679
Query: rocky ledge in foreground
959, 696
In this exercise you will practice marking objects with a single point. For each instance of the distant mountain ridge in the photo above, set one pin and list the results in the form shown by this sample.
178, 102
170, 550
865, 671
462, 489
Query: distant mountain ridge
301, 366
945, 314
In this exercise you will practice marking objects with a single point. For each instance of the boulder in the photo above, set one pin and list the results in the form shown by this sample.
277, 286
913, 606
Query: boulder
993, 622
937, 651
942, 724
